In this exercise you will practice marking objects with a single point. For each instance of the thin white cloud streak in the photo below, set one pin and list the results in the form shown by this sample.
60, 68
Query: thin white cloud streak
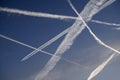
18, 42
31, 47
105, 23
46, 44
90, 10
38, 14
47, 15
91, 32
60, 35
100, 67
97, 70
35, 14
116, 28
65, 31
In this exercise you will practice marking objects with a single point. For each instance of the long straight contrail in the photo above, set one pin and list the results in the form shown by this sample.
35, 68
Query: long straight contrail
91, 32
47, 15
60, 35
97, 70
31, 47
91, 9
65, 31
46, 44
35, 14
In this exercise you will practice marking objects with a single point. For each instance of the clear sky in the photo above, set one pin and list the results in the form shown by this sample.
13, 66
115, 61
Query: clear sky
36, 31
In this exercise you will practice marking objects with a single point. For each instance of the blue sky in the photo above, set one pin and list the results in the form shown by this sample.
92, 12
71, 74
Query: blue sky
36, 31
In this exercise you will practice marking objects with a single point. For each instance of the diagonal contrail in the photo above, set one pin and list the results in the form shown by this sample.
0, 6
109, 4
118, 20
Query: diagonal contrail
65, 31
91, 9
31, 47
46, 44
91, 32
97, 70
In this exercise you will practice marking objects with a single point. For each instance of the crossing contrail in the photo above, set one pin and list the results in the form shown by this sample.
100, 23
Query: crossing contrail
60, 35
101, 66
46, 44
65, 31
91, 9
91, 32
31, 47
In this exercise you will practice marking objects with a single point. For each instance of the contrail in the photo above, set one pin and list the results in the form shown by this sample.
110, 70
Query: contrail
91, 32
35, 14
97, 70
18, 42
91, 9
116, 28
60, 35
105, 23
47, 15
31, 47
101, 66
46, 44
65, 31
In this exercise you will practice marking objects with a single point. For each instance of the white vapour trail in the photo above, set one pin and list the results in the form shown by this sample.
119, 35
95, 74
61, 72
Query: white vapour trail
90, 10
97, 70
18, 42
31, 47
47, 15
95, 10
91, 32
60, 35
106, 23
101, 66
35, 14
117, 28
46, 44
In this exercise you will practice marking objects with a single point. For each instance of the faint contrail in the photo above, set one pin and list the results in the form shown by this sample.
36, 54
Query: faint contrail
31, 47
106, 23
116, 28
97, 70
91, 32
35, 14
91, 9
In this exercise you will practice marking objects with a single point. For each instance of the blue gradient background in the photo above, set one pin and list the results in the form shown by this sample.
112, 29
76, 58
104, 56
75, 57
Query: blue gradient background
36, 31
